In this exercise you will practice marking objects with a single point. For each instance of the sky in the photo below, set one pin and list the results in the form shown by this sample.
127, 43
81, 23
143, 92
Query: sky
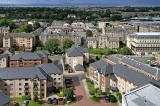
85, 2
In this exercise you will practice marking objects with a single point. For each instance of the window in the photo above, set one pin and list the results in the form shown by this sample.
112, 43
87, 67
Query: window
42, 84
5, 89
19, 84
59, 78
19, 93
54, 78
5, 84
20, 89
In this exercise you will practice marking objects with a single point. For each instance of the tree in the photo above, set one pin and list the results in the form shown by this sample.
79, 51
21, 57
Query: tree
112, 98
125, 51
68, 93
52, 45
89, 33
67, 43
116, 18
36, 25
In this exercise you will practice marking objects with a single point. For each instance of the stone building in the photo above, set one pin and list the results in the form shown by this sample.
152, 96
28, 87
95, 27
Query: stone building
76, 55
4, 61
19, 41
38, 82
144, 43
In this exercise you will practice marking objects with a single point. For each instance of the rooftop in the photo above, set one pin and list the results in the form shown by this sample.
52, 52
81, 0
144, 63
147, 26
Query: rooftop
147, 95
76, 50
22, 34
146, 35
26, 56
103, 67
4, 99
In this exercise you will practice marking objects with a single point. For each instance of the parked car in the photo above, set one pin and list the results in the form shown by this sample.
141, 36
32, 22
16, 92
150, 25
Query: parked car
49, 101
54, 101
107, 99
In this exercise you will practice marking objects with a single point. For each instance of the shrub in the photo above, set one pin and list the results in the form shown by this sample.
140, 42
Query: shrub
26, 97
119, 97
112, 98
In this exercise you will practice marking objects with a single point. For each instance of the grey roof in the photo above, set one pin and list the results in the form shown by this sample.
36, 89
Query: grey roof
130, 75
4, 56
114, 59
76, 50
52, 68
4, 99
26, 56
79, 68
141, 66
102, 67
22, 73
145, 35
113, 77
43, 53
147, 95
22, 34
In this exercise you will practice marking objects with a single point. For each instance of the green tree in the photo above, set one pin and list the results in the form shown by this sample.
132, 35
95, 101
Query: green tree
113, 98
125, 51
116, 18
89, 33
67, 43
68, 93
36, 25
52, 45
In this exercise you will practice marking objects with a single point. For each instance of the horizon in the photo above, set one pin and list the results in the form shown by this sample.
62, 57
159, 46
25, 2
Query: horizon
76, 3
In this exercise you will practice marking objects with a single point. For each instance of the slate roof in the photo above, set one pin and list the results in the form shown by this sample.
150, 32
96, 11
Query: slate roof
113, 77
114, 59
79, 68
43, 53
145, 35
22, 34
130, 75
4, 99
4, 56
102, 67
76, 51
22, 73
25, 56
141, 66
52, 68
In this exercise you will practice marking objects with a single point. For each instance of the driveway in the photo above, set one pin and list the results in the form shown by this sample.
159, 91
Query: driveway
82, 98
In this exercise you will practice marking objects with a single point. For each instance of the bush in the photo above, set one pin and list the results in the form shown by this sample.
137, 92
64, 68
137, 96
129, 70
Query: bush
106, 93
119, 97
26, 97
112, 98
66, 66
68, 93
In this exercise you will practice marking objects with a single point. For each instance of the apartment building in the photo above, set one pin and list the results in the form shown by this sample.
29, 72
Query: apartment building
92, 42
109, 42
4, 30
114, 75
19, 41
76, 55
37, 81
28, 59
4, 100
146, 95
75, 37
144, 43
78, 25
4, 61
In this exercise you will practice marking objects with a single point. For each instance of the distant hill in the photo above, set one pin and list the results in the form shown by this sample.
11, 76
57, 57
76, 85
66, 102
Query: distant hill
81, 2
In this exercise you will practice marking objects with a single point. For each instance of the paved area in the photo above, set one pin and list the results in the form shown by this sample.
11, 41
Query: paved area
83, 100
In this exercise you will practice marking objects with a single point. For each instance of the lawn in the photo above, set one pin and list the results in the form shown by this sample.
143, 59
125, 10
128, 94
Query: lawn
90, 85
95, 99
31, 102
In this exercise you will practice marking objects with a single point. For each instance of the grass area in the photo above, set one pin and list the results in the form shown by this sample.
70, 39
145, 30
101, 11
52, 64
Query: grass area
31, 102
91, 88
95, 99
19, 51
